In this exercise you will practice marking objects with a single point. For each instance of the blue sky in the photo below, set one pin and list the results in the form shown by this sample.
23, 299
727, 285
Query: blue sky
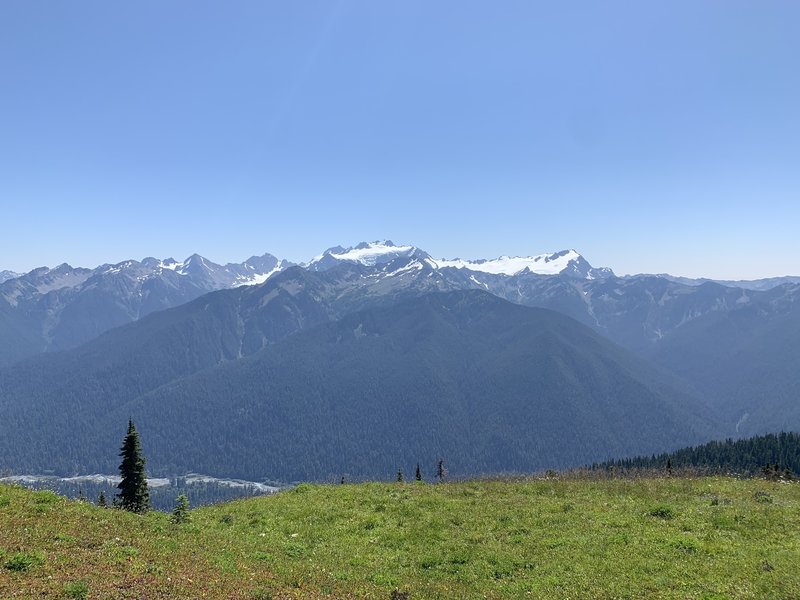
650, 136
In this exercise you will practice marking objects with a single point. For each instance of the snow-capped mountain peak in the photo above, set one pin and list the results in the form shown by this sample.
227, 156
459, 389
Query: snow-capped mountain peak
543, 264
385, 252
366, 253
194, 275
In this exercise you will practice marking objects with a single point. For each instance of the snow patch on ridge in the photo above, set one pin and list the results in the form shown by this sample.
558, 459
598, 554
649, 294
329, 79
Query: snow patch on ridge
258, 278
414, 265
170, 265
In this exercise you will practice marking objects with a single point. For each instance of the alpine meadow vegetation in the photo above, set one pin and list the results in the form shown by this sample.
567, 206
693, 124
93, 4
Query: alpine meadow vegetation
651, 537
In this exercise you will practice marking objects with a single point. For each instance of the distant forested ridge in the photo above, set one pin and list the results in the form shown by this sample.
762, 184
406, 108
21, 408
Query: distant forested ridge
748, 456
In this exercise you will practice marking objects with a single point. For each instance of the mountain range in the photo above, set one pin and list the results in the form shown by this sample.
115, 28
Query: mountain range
54, 309
60, 308
265, 359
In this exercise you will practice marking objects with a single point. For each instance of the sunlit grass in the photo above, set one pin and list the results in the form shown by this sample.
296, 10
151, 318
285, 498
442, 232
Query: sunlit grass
704, 538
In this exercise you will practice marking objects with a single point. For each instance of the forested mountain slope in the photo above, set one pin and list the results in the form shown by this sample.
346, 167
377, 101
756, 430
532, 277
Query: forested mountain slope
745, 362
488, 385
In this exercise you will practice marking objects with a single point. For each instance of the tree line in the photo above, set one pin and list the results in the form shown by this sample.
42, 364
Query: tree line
771, 455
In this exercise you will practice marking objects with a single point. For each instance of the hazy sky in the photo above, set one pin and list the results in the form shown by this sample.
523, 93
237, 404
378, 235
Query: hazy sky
657, 136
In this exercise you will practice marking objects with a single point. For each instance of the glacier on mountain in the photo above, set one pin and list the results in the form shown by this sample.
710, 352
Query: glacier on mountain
543, 264
375, 253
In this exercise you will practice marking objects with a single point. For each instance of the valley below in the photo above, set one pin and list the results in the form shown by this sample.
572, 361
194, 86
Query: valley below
201, 489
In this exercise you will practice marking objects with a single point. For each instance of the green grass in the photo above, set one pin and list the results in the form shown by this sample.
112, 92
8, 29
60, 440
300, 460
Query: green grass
705, 538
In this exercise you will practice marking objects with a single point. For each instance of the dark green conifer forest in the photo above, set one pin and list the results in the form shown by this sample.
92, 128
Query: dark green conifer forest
745, 457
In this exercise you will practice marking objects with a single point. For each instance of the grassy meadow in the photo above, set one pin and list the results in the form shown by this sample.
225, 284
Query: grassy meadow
706, 538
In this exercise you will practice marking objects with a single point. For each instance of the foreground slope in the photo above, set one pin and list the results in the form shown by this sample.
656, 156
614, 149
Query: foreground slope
709, 538
488, 385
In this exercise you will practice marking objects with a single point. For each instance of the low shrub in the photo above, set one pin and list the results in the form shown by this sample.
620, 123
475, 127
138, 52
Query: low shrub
662, 511
763, 497
24, 561
79, 590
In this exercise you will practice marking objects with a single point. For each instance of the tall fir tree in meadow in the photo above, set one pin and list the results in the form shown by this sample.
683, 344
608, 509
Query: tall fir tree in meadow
133, 495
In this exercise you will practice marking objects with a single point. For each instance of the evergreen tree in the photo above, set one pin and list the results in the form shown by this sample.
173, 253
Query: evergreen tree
133, 495
101, 499
418, 474
180, 514
440, 470
399, 475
